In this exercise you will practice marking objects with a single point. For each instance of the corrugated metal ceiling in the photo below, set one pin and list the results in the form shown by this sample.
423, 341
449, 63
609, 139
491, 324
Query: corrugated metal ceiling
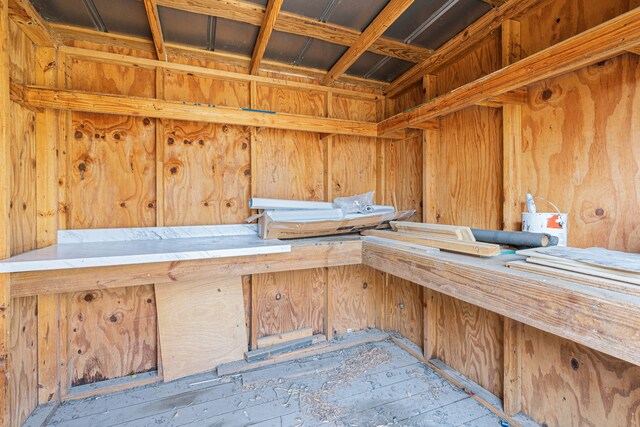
427, 23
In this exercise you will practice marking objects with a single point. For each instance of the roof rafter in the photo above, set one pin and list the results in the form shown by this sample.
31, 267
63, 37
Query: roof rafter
250, 13
270, 16
389, 14
607, 40
151, 7
29, 20
478, 31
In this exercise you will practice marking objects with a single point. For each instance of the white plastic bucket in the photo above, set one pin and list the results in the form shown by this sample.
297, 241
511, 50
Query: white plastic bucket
553, 223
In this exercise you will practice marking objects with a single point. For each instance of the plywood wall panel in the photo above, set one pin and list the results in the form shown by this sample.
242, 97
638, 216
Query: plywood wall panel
562, 19
469, 339
403, 160
112, 333
289, 165
207, 173
470, 169
353, 163
354, 109
110, 78
112, 172
189, 88
284, 100
354, 292
566, 384
581, 151
289, 300
23, 374
404, 311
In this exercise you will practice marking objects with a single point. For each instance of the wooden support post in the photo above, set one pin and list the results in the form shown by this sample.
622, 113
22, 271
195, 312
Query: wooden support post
47, 227
328, 304
430, 306
430, 147
328, 196
512, 189
253, 142
159, 153
5, 228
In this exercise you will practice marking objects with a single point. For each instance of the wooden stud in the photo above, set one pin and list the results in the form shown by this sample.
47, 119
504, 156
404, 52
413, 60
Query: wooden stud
151, 7
31, 23
430, 147
430, 301
253, 146
270, 16
149, 107
328, 304
463, 42
46, 229
328, 153
512, 395
64, 147
389, 14
607, 40
160, 205
71, 34
5, 227
291, 23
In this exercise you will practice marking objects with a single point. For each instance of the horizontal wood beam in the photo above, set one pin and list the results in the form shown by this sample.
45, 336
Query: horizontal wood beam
30, 22
70, 34
635, 50
250, 13
89, 102
385, 18
514, 97
156, 28
270, 16
609, 39
305, 254
605, 321
488, 24
135, 61
495, 3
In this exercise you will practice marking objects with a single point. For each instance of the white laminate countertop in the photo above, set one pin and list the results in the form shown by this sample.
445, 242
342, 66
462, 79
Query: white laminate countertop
123, 246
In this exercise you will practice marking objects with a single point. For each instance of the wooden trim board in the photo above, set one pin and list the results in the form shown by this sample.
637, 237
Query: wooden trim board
441, 230
284, 337
470, 248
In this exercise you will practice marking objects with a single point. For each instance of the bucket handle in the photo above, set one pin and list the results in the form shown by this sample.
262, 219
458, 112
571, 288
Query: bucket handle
554, 206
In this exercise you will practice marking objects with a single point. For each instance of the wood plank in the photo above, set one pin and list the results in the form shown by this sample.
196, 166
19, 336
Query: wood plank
194, 337
430, 143
5, 227
635, 50
285, 347
155, 108
430, 345
591, 46
442, 231
599, 319
513, 348
284, 337
316, 253
385, 18
475, 33
291, 23
151, 7
514, 97
471, 248
31, 23
71, 35
270, 16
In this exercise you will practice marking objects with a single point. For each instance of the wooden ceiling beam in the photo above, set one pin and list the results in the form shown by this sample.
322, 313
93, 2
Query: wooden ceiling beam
489, 23
495, 3
250, 13
604, 41
31, 23
388, 16
71, 35
59, 99
270, 16
151, 7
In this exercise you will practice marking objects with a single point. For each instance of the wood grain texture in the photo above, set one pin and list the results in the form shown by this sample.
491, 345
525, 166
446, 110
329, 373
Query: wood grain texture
289, 165
290, 101
403, 162
207, 173
353, 166
200, 324
581, 152
404, 309
112, 172
23, 369
112, 333
354, 298
179, 86
289, 300
470, 341
268, 22
567, 384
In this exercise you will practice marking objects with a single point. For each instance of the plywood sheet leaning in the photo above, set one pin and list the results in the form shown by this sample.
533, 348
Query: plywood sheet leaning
200, 324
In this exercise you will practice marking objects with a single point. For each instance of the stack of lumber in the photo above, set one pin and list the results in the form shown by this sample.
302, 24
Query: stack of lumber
446, 237
613, 270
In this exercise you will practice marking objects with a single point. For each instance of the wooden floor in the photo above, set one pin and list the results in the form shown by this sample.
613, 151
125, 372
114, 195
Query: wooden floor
369, 385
